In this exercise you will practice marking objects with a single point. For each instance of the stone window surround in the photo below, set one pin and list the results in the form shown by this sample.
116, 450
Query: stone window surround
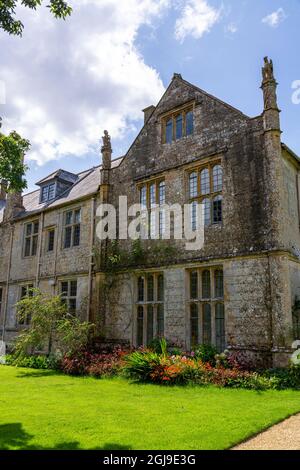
211, 195
148, 184
213, 301
145, 303
172, 114
64, 226
25, 236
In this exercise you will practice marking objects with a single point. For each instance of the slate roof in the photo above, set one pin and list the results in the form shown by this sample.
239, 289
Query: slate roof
87, 184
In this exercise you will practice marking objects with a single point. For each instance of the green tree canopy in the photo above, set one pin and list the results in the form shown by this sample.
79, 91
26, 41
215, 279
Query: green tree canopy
10, 24
12, 168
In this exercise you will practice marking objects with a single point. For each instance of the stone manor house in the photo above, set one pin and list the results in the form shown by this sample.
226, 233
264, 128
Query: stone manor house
240, 291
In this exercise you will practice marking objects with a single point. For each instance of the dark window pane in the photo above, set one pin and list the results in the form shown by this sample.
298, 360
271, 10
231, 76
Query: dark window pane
206, 324
140, 326
149, 324
64, 288
68, 235
217, 209
72, 306
140, 289
27, 247
194, 325
36, 227
28, 229
76, 240
73, 289
193, 209
206, 291
160, 321
143, 196
169, 131
207, 211
51, 193
77, 216
69, 218
51, 235
194, 285
150, 288
45, 194
1, 294
189, 119
160, 288
220, 327
179, 126
34, 245
162, 193
23, 292
219, 284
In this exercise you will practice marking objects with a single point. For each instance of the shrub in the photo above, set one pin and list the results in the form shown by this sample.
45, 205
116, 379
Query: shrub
108, 362
140, 364
205, 353
284, 378
32, 362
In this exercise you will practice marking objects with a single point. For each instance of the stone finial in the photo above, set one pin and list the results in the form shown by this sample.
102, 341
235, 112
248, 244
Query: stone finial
106, 151
268, 70
177, 75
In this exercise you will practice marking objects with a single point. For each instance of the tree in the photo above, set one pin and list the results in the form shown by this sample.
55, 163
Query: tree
12, 168
8, 22
49, 323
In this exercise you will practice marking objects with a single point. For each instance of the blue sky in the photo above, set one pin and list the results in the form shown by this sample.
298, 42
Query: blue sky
68, 81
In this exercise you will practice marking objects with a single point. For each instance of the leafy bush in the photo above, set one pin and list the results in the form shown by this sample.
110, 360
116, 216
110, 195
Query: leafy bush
108, 362
285, 378
140, 364
205, 353
32, 362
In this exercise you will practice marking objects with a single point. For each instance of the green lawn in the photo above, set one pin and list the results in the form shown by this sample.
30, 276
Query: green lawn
45, 410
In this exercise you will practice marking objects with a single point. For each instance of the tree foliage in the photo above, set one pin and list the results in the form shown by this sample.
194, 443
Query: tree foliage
12, 168
50, 324
8, 22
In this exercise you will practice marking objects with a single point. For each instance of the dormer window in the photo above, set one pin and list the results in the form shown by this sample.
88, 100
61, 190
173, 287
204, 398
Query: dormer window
48, 192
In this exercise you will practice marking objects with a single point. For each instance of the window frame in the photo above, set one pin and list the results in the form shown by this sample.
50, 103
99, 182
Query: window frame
71, 226
205, 196
69, 297
31, 237
47, 187
173, 116
50, 230
27, 287
151, 207
155, 303
199, 304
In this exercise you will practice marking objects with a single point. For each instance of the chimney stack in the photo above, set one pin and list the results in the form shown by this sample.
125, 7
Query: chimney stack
147, 113
106, 151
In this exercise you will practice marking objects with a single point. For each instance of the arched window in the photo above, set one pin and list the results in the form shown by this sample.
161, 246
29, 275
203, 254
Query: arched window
220, 327
206, 290
179, 121
205, 181
217, 178
194, 285
206, 324
140, 326
149, 324
141, 293
194, 325
193, 184
217, 209
219, 284
169, 131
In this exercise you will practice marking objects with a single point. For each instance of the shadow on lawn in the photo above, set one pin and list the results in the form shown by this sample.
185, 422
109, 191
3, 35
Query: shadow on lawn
39, 373
13, 436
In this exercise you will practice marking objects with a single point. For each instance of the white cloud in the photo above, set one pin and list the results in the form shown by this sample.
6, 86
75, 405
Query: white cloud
197, 18
275, 18
67, 81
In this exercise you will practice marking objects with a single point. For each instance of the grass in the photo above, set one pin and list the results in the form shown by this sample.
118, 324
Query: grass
46, 410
